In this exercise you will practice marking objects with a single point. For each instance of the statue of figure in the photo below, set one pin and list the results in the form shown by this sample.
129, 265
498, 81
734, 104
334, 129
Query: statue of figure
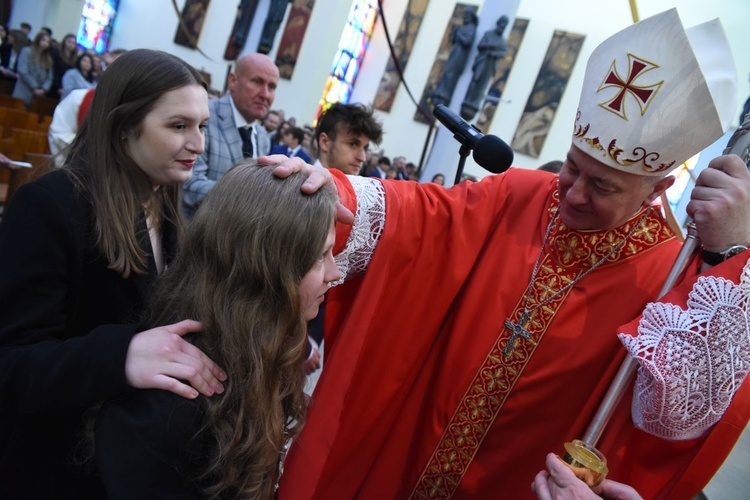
276, 12
491, 49
462, 37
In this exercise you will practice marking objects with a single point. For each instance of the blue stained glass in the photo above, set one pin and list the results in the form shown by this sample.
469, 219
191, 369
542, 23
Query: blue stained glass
341, 68
351, 50
352, 70
358, 19
348, 36
96, 23
359, 44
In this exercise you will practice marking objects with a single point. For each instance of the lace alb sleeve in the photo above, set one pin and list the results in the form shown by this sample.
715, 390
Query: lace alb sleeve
369, 221
691, 361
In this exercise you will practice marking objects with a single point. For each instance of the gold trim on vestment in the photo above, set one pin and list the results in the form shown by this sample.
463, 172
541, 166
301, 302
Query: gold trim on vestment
573, 253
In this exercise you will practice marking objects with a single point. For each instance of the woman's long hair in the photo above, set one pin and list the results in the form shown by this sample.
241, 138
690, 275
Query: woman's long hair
69, 56
98, 162
243, 257
41, 57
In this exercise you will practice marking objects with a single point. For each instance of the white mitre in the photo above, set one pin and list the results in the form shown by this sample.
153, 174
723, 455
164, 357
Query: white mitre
656, 94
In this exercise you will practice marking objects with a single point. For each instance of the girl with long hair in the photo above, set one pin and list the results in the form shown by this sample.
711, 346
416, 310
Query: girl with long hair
64, 58
80, 249
253, 268
34, 68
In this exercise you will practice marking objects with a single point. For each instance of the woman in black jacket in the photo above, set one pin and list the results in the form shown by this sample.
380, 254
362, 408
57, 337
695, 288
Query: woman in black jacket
79, 250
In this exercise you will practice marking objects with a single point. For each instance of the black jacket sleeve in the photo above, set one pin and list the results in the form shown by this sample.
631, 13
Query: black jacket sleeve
46, 364
146, 446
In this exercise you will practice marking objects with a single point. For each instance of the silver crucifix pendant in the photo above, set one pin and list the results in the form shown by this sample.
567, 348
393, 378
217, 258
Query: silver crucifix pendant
516, 330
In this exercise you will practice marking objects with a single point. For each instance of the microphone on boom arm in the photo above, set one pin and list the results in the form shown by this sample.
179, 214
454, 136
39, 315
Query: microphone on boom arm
490, 152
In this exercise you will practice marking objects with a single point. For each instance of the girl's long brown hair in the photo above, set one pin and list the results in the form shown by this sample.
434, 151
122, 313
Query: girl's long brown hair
238, 272
99, 165
39, 57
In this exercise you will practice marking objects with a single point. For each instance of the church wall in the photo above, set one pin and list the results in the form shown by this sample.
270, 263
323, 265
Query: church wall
30, 12
64, 16
145, 23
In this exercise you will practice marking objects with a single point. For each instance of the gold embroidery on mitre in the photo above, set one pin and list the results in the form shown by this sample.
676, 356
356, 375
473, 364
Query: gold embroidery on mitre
642, 94
649, 161
572, 253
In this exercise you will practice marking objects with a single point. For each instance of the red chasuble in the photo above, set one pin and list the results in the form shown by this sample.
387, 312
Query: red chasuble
417, 398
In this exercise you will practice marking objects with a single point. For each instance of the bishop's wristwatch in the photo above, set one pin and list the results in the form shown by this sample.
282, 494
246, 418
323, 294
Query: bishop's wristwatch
715, 258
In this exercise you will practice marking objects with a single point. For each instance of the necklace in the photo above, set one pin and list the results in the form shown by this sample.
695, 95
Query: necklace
282, 458
518, 329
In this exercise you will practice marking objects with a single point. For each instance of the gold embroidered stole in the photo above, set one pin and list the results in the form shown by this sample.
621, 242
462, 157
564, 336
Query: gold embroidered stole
568, 254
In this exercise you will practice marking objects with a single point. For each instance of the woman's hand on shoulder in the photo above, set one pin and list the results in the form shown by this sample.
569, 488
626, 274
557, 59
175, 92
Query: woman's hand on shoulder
160, 359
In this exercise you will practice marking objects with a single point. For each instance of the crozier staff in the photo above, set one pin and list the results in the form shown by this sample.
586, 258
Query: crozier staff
530, 276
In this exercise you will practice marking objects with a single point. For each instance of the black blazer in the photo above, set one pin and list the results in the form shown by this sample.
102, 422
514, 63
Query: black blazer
63, 336
148, 445
5, 50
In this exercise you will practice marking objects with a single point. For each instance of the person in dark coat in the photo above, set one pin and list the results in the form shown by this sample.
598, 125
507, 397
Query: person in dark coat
79, 250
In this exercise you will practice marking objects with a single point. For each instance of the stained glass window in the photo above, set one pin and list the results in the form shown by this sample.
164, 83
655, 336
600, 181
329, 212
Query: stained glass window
351, 50
96, 24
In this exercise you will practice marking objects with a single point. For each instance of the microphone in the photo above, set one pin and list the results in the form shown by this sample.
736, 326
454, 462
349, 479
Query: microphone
490, 152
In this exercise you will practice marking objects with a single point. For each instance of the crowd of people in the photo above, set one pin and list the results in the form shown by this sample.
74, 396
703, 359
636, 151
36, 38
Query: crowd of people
290, 140
164, 293
41, 66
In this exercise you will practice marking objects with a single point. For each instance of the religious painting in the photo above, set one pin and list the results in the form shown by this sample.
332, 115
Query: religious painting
242, 22
402, 47
191, 23
276, 13
491, 101
292, 37
546, 93
444, 51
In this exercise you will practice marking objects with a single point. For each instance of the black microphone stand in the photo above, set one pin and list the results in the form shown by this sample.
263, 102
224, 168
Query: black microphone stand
463, 152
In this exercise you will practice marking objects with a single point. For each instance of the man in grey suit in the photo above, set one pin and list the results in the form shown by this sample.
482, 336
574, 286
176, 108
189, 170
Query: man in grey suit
234, 128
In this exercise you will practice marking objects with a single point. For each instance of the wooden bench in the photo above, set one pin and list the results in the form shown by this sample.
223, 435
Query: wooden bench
7, 101
43, 106
21, 119
40, 165
22, 141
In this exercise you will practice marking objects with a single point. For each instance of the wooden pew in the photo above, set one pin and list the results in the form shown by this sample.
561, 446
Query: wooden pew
6, 86
17, 118
22, 141
43, 106
40, 165
7, 101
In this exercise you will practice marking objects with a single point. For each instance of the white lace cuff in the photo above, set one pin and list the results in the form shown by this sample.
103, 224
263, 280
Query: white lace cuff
691, 361
369, 221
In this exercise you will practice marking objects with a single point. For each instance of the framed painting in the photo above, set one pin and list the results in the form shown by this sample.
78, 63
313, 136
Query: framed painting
191, 23
291, 39
546, 93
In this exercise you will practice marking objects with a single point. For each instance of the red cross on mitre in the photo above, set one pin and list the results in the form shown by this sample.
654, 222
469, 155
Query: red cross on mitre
643, 94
